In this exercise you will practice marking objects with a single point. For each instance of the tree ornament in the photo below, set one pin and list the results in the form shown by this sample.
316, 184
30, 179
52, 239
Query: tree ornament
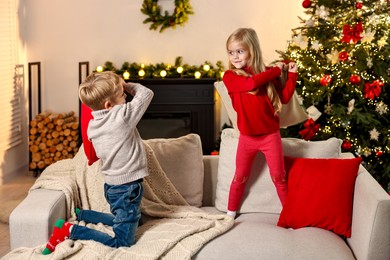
373, 90
306, 4
343, 56
366, 151
379, 153
326, 80
311, 128
369, 62
301, 41
333, 56
381, 108
359, 5
368, 35
374, 134
352, 35
313, 113
328, 108
347, 145
354, 79
157, 20
351, 106
322, 12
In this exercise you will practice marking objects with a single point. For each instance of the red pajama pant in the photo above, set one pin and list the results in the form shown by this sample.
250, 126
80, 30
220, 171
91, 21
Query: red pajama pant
248, 146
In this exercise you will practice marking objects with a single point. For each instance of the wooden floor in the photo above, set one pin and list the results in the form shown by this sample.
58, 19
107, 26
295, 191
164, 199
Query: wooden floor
11, 193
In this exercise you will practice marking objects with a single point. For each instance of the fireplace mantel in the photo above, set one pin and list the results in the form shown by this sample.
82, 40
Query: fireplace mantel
193, 96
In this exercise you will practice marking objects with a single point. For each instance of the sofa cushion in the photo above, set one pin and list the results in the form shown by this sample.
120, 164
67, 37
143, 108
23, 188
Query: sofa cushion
256, 236
182, 160
320, 194
292, 112
260, 193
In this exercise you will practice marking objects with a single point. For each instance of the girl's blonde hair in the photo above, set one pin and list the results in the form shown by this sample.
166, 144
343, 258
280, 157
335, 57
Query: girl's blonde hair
248, 38
98, 88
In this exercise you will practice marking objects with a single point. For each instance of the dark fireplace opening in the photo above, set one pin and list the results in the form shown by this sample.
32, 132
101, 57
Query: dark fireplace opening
179, 107
164, 124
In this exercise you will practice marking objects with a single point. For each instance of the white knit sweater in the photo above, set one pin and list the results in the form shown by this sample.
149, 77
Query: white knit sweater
116, 139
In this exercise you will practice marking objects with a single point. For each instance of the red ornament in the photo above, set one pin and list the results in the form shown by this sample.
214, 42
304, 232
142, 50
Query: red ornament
325, 80
343, 56
359, 5
354, 79
352, 35
311, 128
379, 153
306, 3
373, 90
346, 145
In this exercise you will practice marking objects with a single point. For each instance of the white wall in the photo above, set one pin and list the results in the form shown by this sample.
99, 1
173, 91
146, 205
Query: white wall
60, 34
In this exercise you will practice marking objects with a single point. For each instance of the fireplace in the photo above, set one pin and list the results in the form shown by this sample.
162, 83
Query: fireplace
180, 107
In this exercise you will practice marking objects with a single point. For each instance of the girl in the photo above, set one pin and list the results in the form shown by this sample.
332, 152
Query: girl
257, 95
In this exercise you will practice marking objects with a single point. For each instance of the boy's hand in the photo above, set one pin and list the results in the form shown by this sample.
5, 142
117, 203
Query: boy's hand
292, 67
129, 87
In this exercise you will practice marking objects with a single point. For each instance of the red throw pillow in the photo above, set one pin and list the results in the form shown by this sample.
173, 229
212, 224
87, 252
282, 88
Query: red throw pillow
89, 150
320, 194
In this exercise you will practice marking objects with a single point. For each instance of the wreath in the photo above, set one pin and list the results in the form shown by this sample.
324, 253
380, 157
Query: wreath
152, 9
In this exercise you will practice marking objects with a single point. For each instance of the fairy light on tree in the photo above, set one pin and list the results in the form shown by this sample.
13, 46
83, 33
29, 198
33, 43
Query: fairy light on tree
342, 50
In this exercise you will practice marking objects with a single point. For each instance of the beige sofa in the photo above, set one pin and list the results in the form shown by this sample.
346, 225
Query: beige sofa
203, 181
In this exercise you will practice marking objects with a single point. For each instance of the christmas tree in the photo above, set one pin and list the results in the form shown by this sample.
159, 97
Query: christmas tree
342, 51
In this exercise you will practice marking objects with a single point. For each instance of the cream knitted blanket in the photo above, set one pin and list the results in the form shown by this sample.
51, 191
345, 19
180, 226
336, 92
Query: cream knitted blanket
174, 230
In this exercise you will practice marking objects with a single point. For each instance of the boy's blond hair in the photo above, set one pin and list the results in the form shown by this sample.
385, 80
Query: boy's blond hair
98, 88
248, 38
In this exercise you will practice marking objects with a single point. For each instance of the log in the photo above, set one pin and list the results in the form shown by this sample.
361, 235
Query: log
52, 137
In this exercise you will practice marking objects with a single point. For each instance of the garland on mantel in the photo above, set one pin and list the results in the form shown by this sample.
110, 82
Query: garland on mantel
164, 70
153, 11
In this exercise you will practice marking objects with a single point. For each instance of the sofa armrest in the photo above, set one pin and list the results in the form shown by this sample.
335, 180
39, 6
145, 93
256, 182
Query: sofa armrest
32, 221
210, 163
371, 219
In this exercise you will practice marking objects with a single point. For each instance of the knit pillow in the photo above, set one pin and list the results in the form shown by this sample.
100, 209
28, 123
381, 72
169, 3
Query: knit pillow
260, 193
182, 160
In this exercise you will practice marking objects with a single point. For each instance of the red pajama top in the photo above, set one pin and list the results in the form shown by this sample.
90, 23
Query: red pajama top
255, 113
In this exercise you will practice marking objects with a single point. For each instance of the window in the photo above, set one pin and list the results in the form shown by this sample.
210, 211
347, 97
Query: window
11, 78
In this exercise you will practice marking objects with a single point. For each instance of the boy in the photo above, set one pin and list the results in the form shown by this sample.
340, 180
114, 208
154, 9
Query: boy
118, 144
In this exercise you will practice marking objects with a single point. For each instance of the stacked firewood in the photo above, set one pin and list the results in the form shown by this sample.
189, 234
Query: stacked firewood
53, 137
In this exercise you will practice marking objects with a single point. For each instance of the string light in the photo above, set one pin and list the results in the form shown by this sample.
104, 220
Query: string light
126, 75
141, 73
163, 73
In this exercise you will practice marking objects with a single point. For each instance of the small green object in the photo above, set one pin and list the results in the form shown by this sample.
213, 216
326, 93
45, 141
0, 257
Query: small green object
59, 223
46, 251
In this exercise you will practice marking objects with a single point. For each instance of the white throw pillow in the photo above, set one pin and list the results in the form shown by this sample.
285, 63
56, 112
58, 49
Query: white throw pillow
292, 112
182, 160
227, 102
294, 147
260, 193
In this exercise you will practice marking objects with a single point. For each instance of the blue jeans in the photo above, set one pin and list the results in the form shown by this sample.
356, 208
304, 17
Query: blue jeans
125, 201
